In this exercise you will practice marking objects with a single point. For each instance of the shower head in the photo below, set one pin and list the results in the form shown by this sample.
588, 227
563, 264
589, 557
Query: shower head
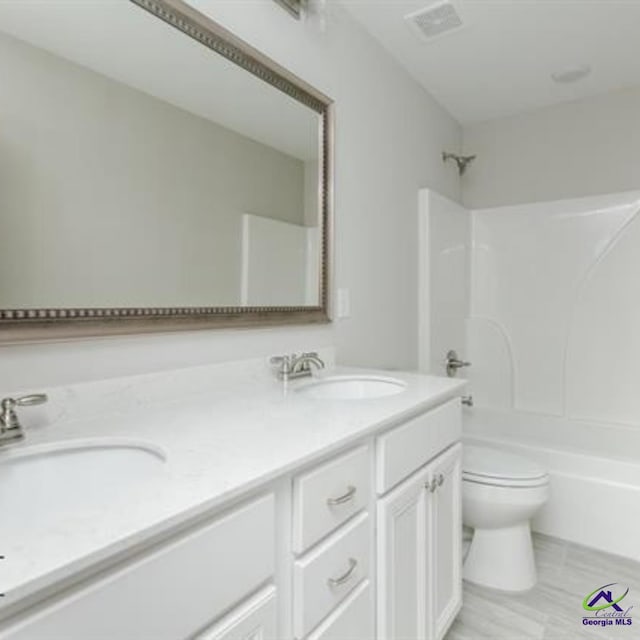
461, 161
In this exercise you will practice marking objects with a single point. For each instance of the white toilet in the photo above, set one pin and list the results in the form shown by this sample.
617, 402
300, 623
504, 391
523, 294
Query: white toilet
500, 494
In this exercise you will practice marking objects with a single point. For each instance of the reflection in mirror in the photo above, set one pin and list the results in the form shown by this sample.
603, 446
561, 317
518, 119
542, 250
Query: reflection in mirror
138, 168
294, 7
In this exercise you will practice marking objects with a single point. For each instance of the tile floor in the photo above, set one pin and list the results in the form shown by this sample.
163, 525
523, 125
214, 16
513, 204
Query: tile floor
552, 610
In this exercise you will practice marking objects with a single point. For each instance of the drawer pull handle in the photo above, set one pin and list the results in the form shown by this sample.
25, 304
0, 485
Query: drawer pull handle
440, 480
346, 576
345, 497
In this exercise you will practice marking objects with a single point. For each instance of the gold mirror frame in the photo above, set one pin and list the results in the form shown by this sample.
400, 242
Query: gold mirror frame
53, 323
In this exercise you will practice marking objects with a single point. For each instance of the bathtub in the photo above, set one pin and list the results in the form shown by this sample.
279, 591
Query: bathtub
594, 471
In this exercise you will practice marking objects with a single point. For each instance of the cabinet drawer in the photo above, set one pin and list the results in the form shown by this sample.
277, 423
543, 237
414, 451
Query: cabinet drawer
406, 448
326, 575
171, 592
328, 495
255, 619
352, 620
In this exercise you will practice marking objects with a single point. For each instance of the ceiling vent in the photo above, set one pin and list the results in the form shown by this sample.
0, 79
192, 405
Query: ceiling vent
435, 20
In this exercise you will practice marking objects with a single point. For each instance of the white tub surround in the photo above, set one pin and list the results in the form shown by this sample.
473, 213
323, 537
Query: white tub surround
229, 433
444, 287
550, 308
551, 334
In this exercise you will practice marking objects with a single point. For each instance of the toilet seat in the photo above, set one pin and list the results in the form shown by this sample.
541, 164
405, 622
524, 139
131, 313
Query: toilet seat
493, 467
506, 482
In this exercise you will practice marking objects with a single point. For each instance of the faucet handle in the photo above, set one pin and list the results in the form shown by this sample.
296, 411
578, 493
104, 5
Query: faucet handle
31, 400
284, 363
8, 418
313, 356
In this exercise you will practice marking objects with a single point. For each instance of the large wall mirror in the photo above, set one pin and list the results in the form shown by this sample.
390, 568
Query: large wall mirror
155, 173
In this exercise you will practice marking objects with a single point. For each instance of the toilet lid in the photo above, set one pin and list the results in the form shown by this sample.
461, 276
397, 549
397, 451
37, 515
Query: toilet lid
493, 463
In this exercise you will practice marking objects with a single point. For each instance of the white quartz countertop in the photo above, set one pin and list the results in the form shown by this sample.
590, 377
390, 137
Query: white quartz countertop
224, 429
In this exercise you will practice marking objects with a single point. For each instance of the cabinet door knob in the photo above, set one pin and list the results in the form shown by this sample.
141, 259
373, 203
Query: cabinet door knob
346, 576
345, 497
440, 480
431, 486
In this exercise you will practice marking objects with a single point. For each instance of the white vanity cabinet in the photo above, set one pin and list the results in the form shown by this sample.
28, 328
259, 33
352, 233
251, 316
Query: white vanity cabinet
328, 495
419, 562
404, 590
323, 578
418, 525
351, 620
171, 592
359, 545
417, 505
445, 546
332, 539
255, 619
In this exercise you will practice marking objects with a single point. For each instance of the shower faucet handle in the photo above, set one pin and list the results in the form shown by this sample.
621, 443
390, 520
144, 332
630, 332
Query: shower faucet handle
453, 363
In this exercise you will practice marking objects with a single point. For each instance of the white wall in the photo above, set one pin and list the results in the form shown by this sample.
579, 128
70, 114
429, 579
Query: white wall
389, 137
571, 150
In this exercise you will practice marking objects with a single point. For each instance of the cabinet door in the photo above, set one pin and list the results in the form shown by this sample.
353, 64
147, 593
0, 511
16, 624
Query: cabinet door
445, 539
403, 589
254, 619
169, 592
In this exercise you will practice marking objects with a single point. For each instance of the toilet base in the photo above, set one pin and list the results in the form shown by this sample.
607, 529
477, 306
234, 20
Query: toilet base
502, 559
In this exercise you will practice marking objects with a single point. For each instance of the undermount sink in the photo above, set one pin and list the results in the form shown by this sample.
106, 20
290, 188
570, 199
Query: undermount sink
352, 387
46, 485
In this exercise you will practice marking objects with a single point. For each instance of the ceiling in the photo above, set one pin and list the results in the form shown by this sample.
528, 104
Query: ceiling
500, 62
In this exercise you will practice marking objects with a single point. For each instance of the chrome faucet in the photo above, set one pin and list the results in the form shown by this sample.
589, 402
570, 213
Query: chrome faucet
10, 427
295, 366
